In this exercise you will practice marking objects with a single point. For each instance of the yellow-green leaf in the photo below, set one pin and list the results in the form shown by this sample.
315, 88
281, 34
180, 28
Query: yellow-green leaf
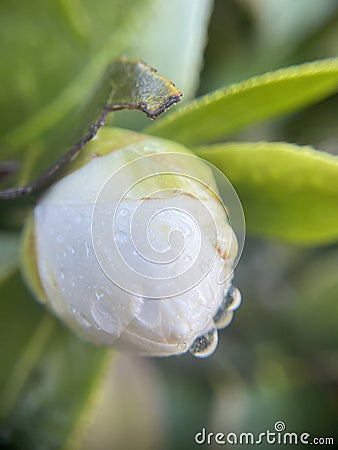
127, 84
131, 84
287, 192
270, 95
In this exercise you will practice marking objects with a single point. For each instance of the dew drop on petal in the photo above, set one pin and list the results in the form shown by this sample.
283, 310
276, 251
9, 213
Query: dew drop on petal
123, 212
98, 295
72, 310
205, 345
233, 298
86, 248
181, 346
121, 237
231, 301
223, 317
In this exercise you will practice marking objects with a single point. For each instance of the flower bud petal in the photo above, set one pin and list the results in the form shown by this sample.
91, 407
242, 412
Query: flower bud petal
144, 268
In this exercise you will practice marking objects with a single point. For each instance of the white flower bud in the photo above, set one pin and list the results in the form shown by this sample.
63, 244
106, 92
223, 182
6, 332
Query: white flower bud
134, 249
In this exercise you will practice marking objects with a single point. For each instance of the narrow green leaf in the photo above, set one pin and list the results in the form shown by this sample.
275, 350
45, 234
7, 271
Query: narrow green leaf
270, 95
287, 192
48, 377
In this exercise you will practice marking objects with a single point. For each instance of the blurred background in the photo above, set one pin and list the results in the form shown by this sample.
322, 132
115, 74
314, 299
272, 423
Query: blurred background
278, 360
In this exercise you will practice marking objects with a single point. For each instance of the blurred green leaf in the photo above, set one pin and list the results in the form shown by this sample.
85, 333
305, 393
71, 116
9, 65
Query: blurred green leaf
127, 84
287, 192
55, 52
315, 306
133, 398
178, 54
9, 255
20, 315
302, 409
49, 378
282, 25
270, 95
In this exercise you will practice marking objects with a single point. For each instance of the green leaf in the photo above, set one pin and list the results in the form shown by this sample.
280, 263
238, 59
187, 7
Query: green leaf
287, 192
131, 84
9, 255
55, 52
292, 26
264, 97
127, 84
315, 305
49, 379
177, 53
182, 43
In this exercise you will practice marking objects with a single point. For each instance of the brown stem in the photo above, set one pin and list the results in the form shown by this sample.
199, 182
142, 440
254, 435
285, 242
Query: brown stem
49, 175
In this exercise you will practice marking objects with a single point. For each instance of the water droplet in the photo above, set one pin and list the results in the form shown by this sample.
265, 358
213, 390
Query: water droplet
181, 346
123, 212
60, 238
188, 258
223, 316
72, 250
86, 248
98, 296
121, 237
231, 301
233, 298
62, 275
205, 345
